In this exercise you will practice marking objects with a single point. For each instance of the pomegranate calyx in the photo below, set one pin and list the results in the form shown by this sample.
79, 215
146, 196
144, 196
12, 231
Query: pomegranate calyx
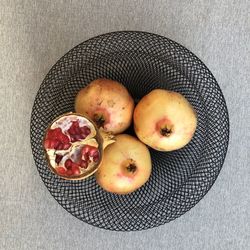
99, 120
131, 166
165, 131
107, 137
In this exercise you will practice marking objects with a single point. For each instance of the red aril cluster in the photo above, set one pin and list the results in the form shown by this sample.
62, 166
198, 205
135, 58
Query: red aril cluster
72, 168
56, 139
78, 133
90, 152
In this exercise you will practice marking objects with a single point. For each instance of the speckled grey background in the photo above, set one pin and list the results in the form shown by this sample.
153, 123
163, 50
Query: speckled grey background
34, 34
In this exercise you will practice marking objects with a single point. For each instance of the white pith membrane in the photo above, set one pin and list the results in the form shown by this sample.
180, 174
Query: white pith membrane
75, 151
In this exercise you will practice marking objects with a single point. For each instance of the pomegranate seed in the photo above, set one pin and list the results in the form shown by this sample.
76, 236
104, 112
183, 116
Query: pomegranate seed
78, 130
66, 139
47, 143
61, 170
85, 130
74, 165
63, 138
69, 172
54, 143
56, 132
86, 158
96, 153
78, 137
50, 133
71, 131
76, 170
58, 159
60, 146
96, 156
68, 163
66, 146
96, 159
82, 129
83, 164
73, 139
83, 136
75, 124
92, 151
85, 149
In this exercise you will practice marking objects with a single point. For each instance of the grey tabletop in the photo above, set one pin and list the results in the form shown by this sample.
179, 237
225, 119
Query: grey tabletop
35, 34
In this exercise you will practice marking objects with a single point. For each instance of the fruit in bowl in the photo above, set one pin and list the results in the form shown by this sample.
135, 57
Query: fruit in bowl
164, 120
73, 146
74, 143
125, 167
108, 103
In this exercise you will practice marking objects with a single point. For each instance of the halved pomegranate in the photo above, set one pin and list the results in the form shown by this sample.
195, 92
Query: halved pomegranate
73, 146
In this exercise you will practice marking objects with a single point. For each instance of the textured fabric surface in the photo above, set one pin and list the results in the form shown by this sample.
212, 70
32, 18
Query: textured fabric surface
35, 34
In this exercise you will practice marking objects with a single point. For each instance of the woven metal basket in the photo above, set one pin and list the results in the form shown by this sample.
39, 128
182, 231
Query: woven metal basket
142, 62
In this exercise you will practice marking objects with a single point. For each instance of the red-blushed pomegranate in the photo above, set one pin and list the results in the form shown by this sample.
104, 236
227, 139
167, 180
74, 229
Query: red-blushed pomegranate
72, 146
164, 120
107, 103
125, 167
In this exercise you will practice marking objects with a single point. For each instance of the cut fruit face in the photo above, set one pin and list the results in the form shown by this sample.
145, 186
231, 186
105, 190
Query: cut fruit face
72, 146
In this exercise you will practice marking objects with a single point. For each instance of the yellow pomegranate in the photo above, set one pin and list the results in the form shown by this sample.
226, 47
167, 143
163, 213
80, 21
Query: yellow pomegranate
164, 120
107, 103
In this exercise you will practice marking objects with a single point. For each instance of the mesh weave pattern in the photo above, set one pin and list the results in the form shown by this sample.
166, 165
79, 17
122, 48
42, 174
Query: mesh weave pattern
142, 62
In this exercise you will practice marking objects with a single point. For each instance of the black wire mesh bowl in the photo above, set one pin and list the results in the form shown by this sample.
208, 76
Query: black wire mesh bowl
142, 62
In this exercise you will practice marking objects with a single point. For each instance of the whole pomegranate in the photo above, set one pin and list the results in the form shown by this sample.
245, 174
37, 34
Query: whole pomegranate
107, 103
164, 120
125, 167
